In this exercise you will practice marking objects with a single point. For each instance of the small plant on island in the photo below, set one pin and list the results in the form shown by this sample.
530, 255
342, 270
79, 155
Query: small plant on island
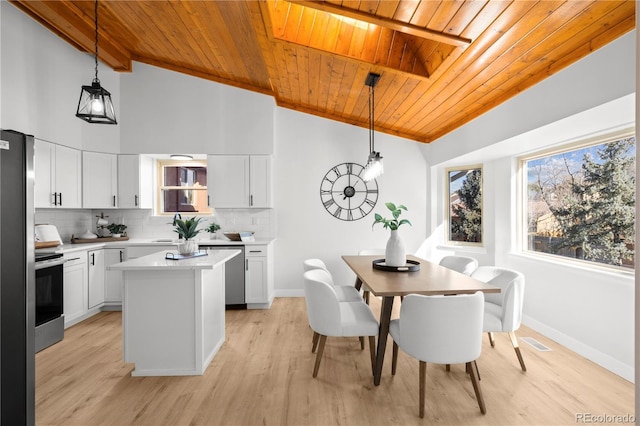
213, 227
394, 223
117, 228
188, 228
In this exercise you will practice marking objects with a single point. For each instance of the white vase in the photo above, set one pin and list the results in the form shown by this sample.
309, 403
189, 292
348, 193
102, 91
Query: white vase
188, 247
395, 254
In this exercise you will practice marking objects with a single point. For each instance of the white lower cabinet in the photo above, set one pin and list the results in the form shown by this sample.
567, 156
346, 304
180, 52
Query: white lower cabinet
96, 278
75, 287
113, 279
258, 276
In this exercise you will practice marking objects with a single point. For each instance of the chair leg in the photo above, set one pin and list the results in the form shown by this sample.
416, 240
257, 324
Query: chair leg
361, 342
394, 359
372, 351
477, 371
323, 339
447, 367
473, 368
423, 378
316, 336
514, 342
493, 343
365, 295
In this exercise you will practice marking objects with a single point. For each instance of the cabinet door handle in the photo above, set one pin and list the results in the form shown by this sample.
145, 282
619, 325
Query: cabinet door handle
208, 201
60, 195
136, 200
55, 198
114, 201
93, 259
251, 200
121, 253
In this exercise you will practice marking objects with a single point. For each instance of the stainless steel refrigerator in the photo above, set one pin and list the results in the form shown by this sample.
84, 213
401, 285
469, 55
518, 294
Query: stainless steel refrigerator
17, 279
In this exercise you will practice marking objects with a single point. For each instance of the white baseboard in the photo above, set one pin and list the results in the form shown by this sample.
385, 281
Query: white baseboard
293, 292
606, 361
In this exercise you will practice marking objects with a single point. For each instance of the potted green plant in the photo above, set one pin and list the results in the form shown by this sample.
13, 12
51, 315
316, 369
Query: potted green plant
116, 229
212, 229
187, 230
395, 254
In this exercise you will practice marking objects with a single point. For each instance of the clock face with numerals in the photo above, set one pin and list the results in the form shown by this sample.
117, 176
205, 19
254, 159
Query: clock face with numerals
345, 194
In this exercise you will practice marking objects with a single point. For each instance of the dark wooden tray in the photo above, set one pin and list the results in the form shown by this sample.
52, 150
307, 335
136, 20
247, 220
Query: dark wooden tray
411, 266
96, 240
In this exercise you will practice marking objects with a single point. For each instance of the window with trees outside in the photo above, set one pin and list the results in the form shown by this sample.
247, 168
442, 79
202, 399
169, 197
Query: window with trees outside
464, 212
182, 187
580, 202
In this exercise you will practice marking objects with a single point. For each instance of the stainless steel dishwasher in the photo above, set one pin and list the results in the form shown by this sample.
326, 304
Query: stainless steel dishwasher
233, 276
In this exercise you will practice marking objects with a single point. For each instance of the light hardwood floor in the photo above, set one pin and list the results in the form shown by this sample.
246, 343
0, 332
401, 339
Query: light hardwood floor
262, 375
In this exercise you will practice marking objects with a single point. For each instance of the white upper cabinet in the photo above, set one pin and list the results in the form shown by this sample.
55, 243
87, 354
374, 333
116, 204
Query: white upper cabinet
228, 180
135, 181
237, 181
99, 180
260, 181
58, 171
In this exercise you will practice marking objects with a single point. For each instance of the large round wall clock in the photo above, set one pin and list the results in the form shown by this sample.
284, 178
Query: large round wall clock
345, 194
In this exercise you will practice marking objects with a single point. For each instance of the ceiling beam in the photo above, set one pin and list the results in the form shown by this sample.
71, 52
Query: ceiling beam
391, 24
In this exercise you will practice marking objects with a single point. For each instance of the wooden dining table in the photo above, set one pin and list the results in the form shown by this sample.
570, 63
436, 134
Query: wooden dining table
431, 279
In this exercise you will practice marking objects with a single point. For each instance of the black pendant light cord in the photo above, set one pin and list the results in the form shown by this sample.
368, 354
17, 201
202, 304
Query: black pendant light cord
371, 118
96, 56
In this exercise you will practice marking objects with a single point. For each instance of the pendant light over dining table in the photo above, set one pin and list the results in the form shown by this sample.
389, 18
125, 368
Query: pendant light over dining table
95, 104
374, 167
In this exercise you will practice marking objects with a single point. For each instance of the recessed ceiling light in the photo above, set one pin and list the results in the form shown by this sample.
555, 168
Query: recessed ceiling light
183, 157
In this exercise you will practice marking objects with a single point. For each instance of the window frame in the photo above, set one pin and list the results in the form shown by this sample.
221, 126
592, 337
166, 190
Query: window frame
447, 207
522, 199
159, 187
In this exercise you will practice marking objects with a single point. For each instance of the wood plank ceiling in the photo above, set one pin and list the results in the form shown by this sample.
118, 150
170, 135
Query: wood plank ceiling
442, 63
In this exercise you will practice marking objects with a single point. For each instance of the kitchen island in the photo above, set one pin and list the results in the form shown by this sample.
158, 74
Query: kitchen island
173, 313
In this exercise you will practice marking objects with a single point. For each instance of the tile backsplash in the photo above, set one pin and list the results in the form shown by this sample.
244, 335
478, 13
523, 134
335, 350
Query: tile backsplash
142, 223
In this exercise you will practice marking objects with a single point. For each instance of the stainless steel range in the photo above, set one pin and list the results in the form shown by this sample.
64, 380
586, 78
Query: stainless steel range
49, 300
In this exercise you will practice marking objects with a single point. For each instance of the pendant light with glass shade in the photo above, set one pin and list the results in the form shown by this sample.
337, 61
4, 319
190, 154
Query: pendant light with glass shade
374, 167
95, 104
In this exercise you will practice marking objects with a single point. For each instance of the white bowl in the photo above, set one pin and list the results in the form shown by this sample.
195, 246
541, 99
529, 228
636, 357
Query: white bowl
88, 235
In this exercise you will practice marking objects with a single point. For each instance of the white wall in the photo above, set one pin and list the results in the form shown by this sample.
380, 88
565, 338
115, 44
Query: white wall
306, 148
165, 112
40, 85
589, 311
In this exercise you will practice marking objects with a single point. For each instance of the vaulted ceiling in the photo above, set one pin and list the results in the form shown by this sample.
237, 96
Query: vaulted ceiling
442, 63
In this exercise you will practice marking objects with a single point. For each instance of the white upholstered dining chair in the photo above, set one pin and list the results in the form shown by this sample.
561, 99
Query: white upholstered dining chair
346, 293
330, 318
440, 330
503, 311
464, 265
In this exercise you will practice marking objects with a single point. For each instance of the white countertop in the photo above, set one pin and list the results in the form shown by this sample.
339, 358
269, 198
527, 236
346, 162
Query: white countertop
157, 261
70, 248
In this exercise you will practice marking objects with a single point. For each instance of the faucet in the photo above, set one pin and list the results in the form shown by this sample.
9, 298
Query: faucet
176, 217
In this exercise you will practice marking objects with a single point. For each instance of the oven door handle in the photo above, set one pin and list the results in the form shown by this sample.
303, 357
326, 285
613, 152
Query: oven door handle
50, 263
